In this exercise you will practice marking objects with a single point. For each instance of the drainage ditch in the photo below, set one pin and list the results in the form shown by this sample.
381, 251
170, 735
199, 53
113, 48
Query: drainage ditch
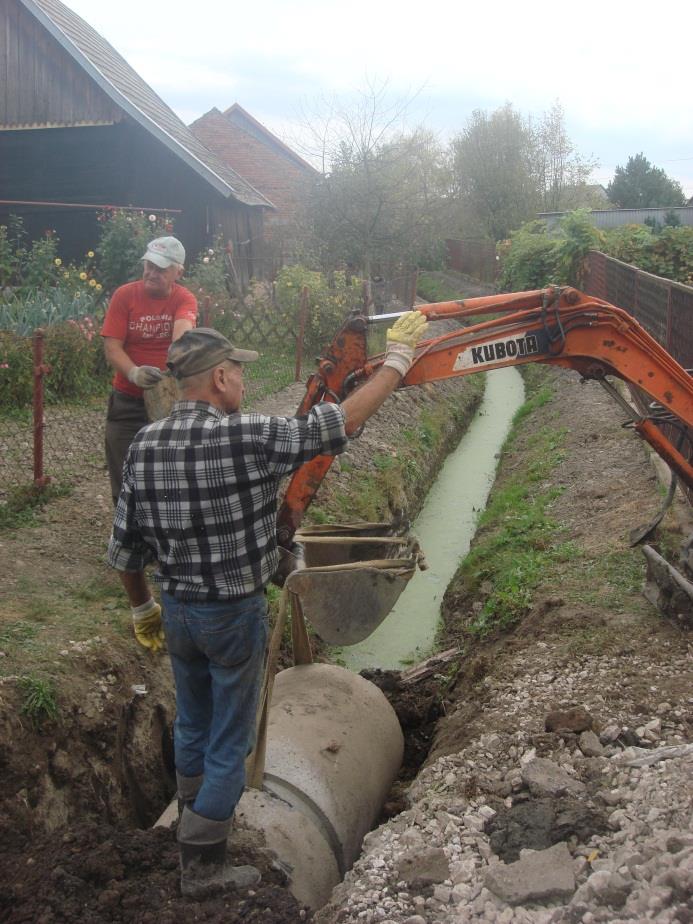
445, 527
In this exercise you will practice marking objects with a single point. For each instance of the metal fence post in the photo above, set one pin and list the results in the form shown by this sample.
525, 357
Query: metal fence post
40, 370
302, 316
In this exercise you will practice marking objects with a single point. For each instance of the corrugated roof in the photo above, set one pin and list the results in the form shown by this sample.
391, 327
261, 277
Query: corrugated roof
126, 88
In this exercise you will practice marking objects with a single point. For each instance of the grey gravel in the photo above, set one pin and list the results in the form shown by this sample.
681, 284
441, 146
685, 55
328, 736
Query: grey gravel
637, 863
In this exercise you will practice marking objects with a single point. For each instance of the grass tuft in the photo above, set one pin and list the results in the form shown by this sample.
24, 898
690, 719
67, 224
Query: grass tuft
39, 701
24, 503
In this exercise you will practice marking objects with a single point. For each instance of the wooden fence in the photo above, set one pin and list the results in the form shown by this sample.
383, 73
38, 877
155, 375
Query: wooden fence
663, 307
474, 258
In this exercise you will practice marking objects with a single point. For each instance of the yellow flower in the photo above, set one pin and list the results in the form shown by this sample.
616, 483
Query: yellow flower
66, 275
82, 276
92, 282
58, 261
90, 254
98, 287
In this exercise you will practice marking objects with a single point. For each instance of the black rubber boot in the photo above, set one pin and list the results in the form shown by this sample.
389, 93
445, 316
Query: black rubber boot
204, 870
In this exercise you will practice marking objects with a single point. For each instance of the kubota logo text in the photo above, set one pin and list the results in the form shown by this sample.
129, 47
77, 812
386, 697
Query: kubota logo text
498, 350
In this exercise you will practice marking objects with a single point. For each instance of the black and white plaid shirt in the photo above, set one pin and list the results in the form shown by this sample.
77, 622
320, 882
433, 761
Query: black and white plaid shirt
199, 495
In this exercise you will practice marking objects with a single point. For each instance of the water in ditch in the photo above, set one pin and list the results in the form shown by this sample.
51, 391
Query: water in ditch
445, 527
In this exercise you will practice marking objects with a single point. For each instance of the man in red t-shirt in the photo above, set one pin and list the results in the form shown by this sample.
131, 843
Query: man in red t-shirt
142, 320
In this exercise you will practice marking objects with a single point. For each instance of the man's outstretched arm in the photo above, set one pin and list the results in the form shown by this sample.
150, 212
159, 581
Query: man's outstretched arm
402, 339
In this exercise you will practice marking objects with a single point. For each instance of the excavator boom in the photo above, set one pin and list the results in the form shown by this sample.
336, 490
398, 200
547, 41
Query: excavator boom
557, 326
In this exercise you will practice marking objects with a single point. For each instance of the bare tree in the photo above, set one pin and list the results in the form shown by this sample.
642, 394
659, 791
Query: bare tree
382, 184
562, 172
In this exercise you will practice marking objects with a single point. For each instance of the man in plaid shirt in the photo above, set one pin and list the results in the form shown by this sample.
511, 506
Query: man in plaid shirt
199, 497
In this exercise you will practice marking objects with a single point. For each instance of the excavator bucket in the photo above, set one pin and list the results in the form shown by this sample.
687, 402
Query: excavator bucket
352, 578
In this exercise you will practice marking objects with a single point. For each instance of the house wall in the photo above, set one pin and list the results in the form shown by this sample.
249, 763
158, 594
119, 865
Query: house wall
615, 218
274, 174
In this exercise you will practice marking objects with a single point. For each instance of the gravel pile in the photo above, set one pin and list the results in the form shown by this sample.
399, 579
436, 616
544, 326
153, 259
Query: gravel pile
573, 803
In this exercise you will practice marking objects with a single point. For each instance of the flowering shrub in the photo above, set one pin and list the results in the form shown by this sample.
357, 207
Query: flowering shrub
206, 277
123, 239
28, 268
329, 301
72, 353
24, 265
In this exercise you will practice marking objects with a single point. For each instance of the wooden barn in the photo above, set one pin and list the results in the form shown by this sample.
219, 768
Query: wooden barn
79, 128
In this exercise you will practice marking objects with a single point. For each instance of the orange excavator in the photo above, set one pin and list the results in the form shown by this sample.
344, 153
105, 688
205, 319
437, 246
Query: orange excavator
359, 569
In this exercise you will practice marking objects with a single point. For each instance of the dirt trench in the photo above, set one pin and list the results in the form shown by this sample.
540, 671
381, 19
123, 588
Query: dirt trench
81, 791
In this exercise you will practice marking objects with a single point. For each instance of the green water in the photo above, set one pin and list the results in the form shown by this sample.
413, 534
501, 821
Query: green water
445, 527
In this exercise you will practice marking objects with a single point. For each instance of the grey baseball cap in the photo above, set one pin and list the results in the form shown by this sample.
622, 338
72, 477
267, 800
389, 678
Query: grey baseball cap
165, 252
201, 349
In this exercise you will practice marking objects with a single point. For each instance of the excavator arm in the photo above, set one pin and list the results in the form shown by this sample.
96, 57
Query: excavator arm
556, 326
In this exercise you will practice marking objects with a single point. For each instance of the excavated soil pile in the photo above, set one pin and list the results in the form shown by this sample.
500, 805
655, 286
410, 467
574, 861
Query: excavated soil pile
95, 874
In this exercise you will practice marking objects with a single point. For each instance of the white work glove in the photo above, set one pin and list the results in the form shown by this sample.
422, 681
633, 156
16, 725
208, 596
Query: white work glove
402, 339
145, 376
146, 621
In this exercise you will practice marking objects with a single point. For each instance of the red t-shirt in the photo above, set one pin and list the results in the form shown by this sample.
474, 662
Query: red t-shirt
145, 325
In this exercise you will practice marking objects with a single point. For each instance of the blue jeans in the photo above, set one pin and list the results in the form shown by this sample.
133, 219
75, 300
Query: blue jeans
217, 653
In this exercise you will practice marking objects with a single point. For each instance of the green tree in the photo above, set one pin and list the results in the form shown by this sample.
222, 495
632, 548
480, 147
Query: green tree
641, 185
505, 168
380, 198
494, 180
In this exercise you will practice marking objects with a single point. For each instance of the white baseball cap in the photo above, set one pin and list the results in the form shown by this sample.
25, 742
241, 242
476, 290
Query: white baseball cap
164, 252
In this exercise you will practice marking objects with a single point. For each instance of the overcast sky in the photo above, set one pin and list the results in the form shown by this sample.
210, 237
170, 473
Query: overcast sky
621, 70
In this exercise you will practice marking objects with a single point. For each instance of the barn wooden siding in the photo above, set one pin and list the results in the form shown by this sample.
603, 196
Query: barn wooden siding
122, 165
63, 139
40, 85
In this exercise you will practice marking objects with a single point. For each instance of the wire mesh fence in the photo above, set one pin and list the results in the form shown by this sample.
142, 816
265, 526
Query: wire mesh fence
72, 438
62, 444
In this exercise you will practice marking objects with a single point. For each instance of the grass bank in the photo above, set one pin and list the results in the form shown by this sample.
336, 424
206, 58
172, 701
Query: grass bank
523, 549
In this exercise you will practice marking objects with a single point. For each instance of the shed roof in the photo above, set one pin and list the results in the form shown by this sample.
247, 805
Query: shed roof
136, 98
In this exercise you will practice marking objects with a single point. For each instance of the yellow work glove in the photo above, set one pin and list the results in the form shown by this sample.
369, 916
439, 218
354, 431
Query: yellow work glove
402, 339
146, 621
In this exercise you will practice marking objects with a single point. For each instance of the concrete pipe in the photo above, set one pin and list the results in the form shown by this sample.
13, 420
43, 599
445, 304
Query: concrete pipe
334, 747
